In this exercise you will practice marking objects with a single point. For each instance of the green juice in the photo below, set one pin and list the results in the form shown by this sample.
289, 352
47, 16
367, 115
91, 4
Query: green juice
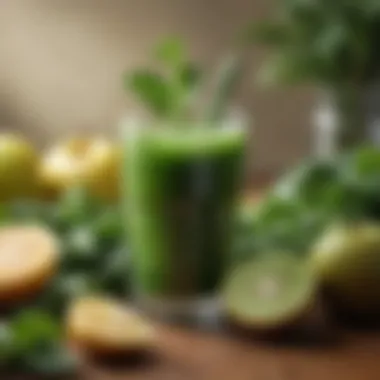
180, 189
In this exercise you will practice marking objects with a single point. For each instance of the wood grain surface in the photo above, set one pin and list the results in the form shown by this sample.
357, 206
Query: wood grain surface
186, 355
190, 355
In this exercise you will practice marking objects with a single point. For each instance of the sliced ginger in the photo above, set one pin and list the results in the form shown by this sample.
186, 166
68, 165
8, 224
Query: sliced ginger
29, 258
107, 328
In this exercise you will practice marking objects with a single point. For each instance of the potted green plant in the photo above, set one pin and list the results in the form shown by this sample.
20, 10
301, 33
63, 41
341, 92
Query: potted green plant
334, 45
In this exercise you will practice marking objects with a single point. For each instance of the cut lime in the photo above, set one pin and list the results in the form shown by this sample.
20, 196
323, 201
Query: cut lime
269, 292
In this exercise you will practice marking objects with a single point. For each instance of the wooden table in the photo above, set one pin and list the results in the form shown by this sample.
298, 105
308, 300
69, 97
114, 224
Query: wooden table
188, 355
193, 355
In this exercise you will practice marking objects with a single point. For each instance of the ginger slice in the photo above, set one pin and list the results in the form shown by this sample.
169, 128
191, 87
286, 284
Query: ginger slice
29, 258
106, 327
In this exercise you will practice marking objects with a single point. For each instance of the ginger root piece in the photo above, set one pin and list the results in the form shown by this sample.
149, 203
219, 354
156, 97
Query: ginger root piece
104, 327
29, 258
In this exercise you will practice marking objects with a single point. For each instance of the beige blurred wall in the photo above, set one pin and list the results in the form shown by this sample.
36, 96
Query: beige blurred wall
61, 62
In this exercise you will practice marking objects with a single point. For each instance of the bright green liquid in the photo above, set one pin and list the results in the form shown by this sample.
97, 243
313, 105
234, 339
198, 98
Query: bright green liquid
180, 191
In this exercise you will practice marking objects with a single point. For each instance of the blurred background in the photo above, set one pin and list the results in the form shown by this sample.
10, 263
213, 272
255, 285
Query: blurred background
62, 88
61, 64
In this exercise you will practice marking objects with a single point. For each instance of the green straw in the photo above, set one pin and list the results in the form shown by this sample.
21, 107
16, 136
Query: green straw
228, 78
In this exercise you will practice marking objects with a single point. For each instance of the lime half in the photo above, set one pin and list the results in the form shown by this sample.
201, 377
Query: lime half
269, 292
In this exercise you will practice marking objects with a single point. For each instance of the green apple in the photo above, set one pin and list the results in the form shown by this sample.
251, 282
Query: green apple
347, 257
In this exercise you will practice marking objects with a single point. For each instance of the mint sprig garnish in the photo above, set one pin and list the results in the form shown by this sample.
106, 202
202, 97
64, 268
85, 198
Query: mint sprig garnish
168, 90
171, 90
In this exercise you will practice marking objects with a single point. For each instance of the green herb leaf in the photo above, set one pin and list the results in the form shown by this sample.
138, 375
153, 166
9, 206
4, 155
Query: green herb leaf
190, 76
362, 169
171, 52
6, 344
328, 42
32, 329
81, 246
54, 360
169, 95
152, 89
75, 207
116, 272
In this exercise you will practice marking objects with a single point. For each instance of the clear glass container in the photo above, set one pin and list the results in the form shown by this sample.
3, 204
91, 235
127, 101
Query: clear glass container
181, 182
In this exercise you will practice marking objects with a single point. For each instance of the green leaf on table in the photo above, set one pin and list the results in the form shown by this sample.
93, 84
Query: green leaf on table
287, 224
152, 89
360, 177
362, 168
77, 284
36, 346
311, 182
116, 272
80, 246
32, 329
52, 360
75, 207
108, 225
6, 343
66, 286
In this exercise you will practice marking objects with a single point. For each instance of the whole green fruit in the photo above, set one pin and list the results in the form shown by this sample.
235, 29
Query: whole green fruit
347, 257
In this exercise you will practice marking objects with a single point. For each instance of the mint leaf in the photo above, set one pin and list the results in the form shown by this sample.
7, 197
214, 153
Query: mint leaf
190, 76
170, 95
171, 52
152, 90
34, 329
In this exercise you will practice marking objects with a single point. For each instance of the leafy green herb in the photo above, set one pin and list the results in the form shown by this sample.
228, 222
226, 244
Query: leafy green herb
32, 343
311, 182
76, 206
33, 328
168, 93
307, 199
171, 52
93, 257
328, 42
54, 360
81, 245
153, 90
6, 344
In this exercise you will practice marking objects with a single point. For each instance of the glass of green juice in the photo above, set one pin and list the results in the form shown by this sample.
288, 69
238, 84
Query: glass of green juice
181, 182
